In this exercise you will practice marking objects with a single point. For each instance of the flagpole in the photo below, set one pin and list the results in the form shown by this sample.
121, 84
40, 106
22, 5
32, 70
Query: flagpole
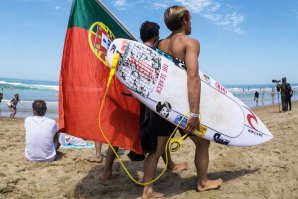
116, 19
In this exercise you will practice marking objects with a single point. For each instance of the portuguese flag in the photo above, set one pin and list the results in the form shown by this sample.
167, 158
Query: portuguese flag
83, 79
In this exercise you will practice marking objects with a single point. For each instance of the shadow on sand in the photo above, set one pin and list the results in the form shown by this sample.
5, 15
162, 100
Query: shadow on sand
92, 187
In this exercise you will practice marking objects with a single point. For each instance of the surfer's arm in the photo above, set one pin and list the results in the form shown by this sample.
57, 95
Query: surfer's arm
193, 79
21, 102
193, 82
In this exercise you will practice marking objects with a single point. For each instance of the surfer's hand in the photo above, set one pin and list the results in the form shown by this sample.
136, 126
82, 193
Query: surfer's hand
192, 124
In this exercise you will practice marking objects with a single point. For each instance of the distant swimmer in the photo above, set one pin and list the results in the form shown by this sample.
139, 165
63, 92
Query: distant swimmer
273, 94
1, 97
256, 98
263, 95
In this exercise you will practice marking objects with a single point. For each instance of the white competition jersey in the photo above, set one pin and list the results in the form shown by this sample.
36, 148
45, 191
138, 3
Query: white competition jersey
40, 132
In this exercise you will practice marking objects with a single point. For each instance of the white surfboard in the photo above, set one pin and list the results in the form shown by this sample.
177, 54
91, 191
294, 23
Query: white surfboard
159, 81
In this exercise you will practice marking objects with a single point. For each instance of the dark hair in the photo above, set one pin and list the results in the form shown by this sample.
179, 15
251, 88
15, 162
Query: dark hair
39, 107
148, 30
174, 17
17, 97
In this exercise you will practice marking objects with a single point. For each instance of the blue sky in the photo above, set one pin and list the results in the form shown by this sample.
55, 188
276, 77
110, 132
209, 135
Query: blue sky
242, 42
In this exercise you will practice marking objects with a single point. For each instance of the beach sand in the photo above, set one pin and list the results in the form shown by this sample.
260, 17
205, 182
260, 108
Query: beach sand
269, 170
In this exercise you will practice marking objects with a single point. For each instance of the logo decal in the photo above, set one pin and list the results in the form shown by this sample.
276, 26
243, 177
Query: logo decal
217, 138
200, 133
207, 78
255, 133
250, 117
100, 37
220, 88
162, 79
178, 119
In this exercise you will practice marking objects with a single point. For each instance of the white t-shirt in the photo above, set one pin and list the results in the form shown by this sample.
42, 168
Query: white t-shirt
40, 132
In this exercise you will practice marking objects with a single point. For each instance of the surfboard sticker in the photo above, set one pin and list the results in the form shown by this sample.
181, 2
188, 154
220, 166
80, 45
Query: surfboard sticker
164, 109
206, 78
160, 82
219, 138
178, 120
138, 70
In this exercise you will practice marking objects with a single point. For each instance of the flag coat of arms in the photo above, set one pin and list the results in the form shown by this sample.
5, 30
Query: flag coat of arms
83, 79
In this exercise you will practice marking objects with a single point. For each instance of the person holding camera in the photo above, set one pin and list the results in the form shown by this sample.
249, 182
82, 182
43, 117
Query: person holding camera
284, 91
289, 93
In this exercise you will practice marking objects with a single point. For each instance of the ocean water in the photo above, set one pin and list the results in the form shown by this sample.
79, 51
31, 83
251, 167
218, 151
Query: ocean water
246, 93
30, 90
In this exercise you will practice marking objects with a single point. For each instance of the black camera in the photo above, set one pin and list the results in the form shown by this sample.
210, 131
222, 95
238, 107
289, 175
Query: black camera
277, 84
275, 81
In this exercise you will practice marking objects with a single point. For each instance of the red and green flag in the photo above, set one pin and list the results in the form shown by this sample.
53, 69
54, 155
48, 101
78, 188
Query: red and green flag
83, 79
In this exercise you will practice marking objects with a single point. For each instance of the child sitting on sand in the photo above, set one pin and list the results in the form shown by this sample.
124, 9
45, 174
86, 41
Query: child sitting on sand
41, 135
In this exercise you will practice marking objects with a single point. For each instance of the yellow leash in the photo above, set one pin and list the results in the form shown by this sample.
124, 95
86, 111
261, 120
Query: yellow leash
111, 75
176, 142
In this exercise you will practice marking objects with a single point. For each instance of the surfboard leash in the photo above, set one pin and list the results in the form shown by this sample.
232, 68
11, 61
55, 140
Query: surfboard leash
176, 143
114, 66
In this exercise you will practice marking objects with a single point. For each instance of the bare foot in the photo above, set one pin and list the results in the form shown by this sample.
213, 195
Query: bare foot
108, 176
153, 194
178, 167
210, 185
94, 159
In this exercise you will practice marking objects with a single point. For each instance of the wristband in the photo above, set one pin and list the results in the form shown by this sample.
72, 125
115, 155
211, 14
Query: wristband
196, 115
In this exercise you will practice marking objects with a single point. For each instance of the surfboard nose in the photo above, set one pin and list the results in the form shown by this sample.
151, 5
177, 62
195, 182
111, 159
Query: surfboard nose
252, 137
264, 137
268, 136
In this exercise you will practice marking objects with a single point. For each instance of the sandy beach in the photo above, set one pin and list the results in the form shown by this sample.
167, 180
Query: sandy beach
265, 171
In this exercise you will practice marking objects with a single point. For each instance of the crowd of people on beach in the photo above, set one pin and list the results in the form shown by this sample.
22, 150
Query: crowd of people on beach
286, 93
